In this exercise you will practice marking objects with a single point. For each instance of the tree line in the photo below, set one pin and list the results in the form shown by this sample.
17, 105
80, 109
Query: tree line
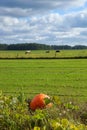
37, 46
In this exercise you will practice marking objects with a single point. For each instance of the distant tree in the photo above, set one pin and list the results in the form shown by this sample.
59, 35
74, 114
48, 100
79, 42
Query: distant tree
79, 47
3, 46
37, 46
61, 47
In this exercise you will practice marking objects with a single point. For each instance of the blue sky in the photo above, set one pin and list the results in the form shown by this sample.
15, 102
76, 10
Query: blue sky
58, 22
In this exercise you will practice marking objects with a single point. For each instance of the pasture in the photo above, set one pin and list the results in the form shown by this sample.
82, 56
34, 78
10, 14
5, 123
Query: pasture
62, 77
43, 54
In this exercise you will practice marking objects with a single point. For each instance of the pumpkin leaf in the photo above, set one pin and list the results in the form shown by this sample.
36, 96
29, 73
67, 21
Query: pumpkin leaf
36, 128
47, 100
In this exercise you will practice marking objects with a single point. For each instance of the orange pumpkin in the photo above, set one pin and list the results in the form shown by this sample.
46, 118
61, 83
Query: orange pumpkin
40, 101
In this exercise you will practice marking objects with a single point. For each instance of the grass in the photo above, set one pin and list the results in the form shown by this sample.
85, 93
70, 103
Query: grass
66, 78
63, 77
43, 54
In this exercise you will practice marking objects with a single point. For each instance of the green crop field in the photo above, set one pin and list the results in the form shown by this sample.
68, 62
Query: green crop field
63, 77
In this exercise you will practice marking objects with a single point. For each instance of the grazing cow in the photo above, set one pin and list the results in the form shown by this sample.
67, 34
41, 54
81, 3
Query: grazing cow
27, 52
47, 51
57, 50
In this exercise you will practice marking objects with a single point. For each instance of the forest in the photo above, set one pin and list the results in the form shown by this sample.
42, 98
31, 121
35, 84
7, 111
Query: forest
38, 46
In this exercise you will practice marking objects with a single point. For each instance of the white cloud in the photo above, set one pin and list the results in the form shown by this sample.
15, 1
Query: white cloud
40, 3
23, 8
78, 19
39, 23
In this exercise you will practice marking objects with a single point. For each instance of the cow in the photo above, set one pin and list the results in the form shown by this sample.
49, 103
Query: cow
27, 52
57, 50
47, 51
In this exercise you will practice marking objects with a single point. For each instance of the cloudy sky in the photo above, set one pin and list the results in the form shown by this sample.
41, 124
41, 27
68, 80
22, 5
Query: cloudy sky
51, 22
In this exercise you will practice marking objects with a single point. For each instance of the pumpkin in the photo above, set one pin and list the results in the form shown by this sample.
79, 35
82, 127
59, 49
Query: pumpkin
40, 101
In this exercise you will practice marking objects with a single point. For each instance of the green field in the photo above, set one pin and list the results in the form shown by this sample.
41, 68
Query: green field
63, 77
43, 54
